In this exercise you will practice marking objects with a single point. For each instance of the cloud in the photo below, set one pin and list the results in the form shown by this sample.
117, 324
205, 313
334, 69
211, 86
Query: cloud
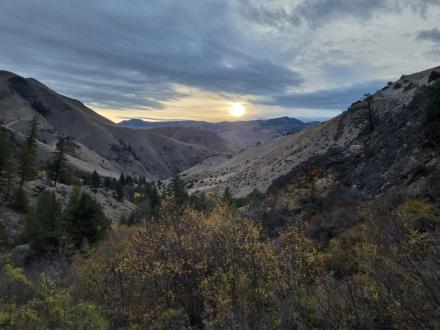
131, 54
318, 12
333, 99
429, 35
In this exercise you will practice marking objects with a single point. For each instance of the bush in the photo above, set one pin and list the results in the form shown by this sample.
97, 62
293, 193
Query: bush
44, 224
431, 121
84, 219
20, 202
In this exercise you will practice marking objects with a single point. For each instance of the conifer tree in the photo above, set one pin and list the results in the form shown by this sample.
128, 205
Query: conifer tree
58, 161
96, 180
177, 190
227, 197
85, 219
27, 155
119, 189
6, 165
107, 182
122, 179
44, 224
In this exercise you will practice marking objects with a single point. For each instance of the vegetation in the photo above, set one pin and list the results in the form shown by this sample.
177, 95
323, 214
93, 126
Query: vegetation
432, 117
44, 224
193, 261
27, 155
85, 220
58, 162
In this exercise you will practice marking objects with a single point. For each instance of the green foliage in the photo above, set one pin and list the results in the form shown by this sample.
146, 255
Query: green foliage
96, 180
6, 165
252, 200
58, 161
227, 197
431, 120
44, 305
85, 219
5, 154
177, 190
119, 190
44, 226
27, 155
5, 240
200, 202
20, 201
122, 179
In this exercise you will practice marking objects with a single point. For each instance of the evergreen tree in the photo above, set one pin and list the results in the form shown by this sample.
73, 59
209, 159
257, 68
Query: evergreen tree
129, 180
431, 120
177, 190
58, 161
85, 219
44, 223
122, 179
227, 197
119, 189
5, 152
96, 180
153, 196
26, 156
6, 164
107, 182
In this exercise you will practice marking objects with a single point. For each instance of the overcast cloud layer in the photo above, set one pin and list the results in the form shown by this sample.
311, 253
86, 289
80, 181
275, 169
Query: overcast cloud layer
297, 58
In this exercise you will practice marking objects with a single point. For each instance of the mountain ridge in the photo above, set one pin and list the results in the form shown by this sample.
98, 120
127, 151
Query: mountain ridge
107, 147
239, 133
351, 133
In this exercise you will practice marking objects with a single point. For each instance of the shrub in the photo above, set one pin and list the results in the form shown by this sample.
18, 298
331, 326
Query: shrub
85, 219
44, 224
431, 121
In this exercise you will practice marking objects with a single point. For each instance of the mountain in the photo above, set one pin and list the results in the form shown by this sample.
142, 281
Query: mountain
240, 133
375, 147
96, 142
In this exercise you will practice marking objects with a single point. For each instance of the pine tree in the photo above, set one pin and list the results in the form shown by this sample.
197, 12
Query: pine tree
96, 180
85, 219
107, 182
177, 190
153, 197
27, 155
129, 180
227, 197
119, 189
122, 179
58, 161
6, 165
44, 224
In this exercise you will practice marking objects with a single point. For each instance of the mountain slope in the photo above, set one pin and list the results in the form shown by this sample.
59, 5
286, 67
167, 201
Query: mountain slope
240, 133
104, 146
373, 147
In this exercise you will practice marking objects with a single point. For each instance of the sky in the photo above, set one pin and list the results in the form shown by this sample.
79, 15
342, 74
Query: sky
201, 59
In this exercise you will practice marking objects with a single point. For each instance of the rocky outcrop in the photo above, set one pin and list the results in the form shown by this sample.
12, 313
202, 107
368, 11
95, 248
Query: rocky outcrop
376, 146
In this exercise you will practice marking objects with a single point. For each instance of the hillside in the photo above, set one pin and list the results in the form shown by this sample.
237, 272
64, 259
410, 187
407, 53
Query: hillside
97, 142
375, 146
240, 133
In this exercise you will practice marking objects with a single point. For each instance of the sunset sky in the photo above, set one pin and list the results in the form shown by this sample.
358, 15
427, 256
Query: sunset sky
218, 59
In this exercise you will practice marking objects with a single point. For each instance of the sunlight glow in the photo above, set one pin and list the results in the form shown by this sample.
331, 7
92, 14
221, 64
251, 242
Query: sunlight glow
237, 109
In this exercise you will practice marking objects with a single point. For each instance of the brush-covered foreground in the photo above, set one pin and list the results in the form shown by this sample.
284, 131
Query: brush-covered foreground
185, 268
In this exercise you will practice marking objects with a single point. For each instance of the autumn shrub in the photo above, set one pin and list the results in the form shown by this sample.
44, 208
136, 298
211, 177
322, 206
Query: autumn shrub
215, 270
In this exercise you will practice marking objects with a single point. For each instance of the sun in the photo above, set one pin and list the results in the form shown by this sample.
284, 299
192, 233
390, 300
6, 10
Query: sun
237, 109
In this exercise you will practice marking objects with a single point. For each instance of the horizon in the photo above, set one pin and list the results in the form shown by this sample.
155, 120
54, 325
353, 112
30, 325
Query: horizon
253, 60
